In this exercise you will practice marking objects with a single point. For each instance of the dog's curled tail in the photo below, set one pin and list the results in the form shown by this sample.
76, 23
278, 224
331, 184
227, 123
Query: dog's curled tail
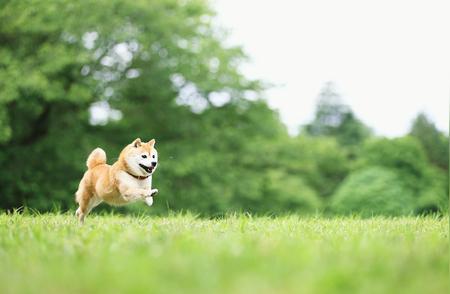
97, 157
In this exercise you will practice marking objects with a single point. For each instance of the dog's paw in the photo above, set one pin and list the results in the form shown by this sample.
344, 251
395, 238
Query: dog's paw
149, 201
153, 192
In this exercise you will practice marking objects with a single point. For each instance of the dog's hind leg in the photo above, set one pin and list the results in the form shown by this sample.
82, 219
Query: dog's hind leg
86, 201
81, 212
80, 215
85, 207
93, 202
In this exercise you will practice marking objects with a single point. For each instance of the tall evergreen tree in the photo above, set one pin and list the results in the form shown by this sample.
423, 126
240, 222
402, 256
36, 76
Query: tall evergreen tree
434, 141
334, 118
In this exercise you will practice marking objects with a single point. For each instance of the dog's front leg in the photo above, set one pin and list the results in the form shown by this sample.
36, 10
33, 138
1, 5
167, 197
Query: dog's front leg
149, 200
153, 192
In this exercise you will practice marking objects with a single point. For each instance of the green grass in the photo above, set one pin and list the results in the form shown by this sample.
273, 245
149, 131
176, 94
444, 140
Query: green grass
237, 254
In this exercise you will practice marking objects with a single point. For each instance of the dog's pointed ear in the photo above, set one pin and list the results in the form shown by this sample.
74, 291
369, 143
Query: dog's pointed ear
151, 142
136, 143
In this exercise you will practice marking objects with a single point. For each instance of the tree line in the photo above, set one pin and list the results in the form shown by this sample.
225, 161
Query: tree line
77, 75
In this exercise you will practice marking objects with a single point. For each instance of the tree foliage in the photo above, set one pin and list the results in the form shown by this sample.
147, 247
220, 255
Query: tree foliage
373, 191
407, 159
334, 118
434, 142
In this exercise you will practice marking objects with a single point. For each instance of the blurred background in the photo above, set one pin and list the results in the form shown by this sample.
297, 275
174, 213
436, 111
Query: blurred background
268, 108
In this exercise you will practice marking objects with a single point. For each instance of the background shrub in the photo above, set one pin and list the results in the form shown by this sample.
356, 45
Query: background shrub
373, 191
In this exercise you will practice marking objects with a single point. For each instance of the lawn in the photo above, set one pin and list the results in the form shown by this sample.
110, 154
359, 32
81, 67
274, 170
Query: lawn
51, 253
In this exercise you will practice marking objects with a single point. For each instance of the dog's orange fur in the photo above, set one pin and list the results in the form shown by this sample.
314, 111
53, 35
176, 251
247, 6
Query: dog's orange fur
109, 183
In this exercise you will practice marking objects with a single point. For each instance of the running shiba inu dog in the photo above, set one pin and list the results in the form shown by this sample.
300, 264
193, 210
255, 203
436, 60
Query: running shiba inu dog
128, 180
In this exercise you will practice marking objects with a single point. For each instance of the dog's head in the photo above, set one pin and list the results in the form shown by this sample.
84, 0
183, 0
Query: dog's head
141, 158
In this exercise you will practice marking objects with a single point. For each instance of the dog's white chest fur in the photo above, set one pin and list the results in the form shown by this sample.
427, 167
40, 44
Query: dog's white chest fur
131, 181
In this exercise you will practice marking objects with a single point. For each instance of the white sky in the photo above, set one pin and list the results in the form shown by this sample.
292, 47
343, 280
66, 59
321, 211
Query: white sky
389, 59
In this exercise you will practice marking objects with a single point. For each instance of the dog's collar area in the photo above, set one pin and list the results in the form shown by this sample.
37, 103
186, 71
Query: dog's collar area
138, 177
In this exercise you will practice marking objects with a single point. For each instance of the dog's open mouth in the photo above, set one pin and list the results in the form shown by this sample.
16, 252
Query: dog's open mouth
148, 169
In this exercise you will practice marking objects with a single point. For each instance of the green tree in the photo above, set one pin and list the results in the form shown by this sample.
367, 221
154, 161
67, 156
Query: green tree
320, 161
334, 118
373, 191
405, 155
407, 159
288, 193
434, 142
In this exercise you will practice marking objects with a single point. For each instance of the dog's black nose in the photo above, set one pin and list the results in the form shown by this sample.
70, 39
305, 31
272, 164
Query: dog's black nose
154, 163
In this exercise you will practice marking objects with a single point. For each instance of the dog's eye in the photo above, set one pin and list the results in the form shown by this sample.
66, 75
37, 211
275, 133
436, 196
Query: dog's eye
153, 156
144, 156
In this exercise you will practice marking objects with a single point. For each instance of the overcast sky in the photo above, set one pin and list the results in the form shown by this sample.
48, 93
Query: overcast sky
389, 59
